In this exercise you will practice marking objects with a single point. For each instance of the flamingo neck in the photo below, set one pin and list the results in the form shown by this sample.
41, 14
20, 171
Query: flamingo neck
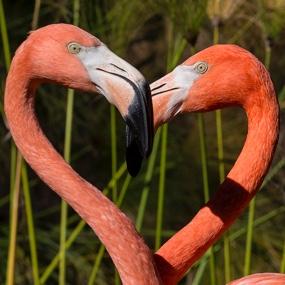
126, 248
179, 253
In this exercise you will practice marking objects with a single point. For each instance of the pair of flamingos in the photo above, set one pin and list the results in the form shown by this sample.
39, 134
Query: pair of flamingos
219, 76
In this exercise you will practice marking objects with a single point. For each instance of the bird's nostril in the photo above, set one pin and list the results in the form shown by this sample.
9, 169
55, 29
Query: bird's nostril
159, 86
116, 66
164, 91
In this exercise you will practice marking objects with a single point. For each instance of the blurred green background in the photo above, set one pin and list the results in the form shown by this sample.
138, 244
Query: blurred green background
154, 36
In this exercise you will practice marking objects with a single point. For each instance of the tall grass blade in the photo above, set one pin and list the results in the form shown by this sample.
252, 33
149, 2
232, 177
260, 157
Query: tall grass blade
36, 14
10, 272
4, 35
249, 235
114, 164
30, 221
75, 233
67, 151
147, 180
176, 46
64, 206
259, 221
221, 166
282, 266
97, 264
7, 58
113, 148
26, 187
15, 167
100, 254
204, 166
237, 234
200, 271
161, 189
54, 263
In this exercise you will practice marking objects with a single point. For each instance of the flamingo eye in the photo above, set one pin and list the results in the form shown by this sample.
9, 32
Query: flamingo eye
201, 67
74, 48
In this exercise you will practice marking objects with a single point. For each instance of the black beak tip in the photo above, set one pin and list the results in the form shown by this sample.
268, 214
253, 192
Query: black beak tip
134, 159
139, 128
134, 151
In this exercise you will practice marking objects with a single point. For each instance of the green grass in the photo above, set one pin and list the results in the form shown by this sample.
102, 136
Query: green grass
221, 166
147, 181
66, 155
79, 227
204, 168
31, 227
161, 188
282, 265
14, 184
14, 223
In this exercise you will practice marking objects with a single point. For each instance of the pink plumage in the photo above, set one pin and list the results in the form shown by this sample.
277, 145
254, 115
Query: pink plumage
261, 279
44, 57
230, 76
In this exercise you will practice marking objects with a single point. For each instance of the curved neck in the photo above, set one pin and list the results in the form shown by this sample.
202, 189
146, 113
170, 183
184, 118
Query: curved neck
179, 253
126, 248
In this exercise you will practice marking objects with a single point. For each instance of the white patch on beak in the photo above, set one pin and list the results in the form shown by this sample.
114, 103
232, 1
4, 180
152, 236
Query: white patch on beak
183, 78
101, 65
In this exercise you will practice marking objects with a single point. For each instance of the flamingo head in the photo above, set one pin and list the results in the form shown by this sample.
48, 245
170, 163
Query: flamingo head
219, 76
69, 56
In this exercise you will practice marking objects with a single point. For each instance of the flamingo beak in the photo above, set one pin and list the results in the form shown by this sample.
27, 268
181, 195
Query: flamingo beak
126, 88
170, 92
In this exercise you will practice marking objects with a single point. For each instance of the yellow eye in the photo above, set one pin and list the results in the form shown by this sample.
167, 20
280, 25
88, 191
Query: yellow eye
201, 67
74, 48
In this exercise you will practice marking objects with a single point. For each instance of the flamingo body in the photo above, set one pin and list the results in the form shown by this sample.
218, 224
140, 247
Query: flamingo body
261, 279
67, 55
219, 76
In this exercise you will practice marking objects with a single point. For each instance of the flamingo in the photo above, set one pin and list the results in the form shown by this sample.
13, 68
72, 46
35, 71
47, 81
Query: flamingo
218, 77
65, 54
261, 279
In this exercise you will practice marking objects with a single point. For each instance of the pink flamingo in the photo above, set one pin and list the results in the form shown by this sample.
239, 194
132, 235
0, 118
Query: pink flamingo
67, 55
261, 279
217, 77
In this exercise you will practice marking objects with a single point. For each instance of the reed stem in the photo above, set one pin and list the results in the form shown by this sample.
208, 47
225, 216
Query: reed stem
14, 223
36, 14
26, 187
30, 221
102, 249
75, 233
161, 189
97, 264
282, 265
249, 235
15, 167
227, 254
67, 151
237, 234
4, 35
113, 148
176, 46
204, 166
147, 180
221, 166
7, 58
64, 206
